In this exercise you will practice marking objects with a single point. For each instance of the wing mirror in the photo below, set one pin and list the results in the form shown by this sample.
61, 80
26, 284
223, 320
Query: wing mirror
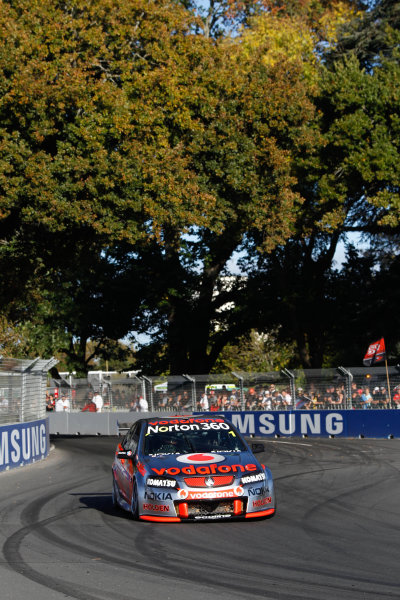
124, 454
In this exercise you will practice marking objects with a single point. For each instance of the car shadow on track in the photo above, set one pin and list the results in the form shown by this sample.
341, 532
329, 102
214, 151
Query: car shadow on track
101, 502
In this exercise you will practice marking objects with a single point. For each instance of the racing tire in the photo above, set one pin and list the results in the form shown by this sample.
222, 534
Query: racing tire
135, 502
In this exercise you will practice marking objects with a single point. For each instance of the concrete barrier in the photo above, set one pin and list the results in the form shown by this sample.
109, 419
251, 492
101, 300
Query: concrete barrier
319, 423
78, 423
296, 423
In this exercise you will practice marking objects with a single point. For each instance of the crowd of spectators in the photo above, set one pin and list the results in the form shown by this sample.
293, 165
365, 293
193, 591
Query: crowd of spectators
257, 398
93, 401
328, 397
65, 402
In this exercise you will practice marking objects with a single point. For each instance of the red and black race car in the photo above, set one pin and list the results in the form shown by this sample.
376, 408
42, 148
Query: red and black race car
184, 468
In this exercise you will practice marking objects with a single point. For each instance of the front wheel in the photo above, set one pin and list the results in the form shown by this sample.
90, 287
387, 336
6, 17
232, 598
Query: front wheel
135, 501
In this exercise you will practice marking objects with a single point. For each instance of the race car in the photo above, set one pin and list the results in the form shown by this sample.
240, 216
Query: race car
190, 468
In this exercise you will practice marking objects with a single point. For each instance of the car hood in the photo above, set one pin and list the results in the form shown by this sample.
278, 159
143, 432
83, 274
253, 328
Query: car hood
202, 463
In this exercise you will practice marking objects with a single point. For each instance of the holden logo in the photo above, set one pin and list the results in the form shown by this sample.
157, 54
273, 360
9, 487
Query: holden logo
200, 457
209, 482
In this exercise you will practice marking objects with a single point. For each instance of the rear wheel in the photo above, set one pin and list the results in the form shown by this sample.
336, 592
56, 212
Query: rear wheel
135, 501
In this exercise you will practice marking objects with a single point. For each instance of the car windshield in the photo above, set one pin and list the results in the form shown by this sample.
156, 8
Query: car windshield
218, 437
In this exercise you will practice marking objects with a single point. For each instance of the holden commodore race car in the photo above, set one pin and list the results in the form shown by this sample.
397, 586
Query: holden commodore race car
190, 468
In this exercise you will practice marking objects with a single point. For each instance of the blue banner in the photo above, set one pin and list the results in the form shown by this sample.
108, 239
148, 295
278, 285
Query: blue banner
23, 443
318, 423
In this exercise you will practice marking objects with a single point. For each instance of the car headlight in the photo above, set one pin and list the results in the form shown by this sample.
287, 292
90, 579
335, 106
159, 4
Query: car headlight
254, 477
164, 482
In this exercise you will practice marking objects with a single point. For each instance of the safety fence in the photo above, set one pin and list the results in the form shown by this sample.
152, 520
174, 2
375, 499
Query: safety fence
23, 389
24, 426
316, 389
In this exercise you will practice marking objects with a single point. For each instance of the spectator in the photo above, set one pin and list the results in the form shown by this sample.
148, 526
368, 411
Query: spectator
226, 405
286, 399
98, 400
59, 404
186, 401
376, 397
302, 401
338, 398
277, 400
90, 406
204, 405
143, 404
267, 401
252, 395
366, 398
50, 404
384, 398
317, 400
329, 397
66, 403
396, 397
235, 403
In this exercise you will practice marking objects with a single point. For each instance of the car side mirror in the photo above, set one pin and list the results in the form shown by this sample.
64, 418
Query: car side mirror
124, 454
256, 448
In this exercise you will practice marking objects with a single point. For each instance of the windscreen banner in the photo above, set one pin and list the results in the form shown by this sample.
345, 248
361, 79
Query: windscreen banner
318, 423
23, 443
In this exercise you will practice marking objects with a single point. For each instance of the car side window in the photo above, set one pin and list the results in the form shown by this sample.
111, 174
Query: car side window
132, 438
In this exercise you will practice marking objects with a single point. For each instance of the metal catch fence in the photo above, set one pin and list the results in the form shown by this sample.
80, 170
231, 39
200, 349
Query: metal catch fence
326, 389
23, 389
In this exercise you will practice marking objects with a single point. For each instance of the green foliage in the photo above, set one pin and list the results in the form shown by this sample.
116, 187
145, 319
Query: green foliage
141, 146
255, 353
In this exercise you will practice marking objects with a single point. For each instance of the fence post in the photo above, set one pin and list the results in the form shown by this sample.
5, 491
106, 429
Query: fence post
149, 381
242, 406
193, 382
349, 381
292, 384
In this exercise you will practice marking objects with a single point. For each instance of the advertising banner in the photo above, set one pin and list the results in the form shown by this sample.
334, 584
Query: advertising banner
23, 443
318, 423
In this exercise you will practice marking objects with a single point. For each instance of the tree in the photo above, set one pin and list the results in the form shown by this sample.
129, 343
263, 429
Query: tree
246, 115
255, 353
138, 155
87, 158
349, 184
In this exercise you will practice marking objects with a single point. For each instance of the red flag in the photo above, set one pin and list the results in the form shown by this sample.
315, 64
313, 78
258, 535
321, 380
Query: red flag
376, 353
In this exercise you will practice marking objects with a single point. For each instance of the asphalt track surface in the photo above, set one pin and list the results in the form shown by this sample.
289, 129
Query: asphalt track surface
336, 534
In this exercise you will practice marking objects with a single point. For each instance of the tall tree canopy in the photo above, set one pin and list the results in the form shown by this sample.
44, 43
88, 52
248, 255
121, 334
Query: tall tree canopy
349, 184
123, 132
142, 146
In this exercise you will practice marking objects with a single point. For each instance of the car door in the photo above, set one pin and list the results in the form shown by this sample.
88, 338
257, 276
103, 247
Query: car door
127, 466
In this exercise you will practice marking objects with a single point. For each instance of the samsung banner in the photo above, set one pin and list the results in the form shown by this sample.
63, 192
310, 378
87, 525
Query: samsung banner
23, 443
323, 423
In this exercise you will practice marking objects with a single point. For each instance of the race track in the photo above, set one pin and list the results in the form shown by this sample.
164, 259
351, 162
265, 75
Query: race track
336, 534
